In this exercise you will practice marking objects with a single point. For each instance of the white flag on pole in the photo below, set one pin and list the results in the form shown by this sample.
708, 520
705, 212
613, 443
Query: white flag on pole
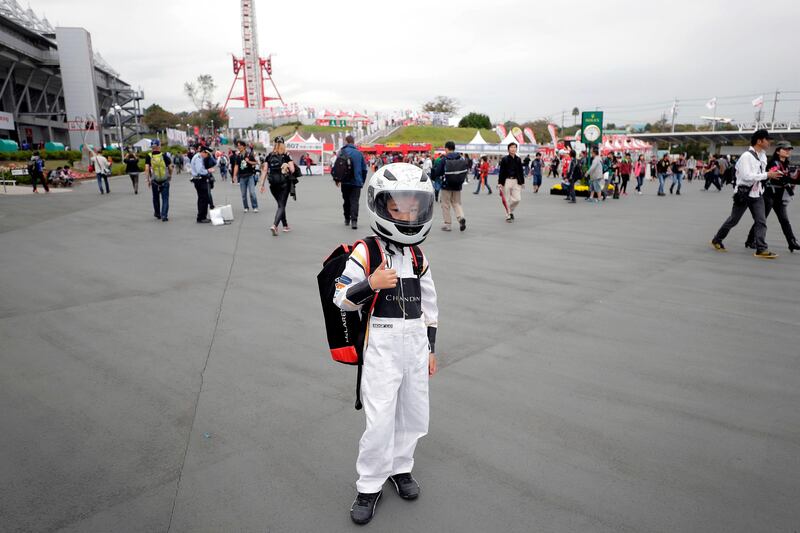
759, 102
711, 104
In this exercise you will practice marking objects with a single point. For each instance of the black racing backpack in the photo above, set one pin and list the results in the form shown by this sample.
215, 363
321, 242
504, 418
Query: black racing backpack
455, 173
347, 330
343, 170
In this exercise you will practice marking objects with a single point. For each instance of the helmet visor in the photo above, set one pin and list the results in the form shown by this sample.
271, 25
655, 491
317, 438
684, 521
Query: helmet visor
404, 208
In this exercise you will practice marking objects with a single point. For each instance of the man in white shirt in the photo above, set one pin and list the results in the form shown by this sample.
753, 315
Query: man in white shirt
751, 172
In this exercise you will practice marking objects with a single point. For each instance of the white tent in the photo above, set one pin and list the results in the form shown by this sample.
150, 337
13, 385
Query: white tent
477, 139
142, 145
313, 140
509, 139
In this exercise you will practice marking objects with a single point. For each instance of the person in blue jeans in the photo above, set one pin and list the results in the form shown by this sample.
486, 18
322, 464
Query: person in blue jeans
102, 169
677, 174
158, 169
245, 167
662, 168
536, 170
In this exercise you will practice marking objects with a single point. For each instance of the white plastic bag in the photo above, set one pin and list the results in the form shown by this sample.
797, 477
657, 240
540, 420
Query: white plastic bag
216, 216
227, 213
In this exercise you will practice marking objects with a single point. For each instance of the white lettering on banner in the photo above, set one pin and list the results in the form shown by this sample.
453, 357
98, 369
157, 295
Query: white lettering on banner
310, 147
6, 121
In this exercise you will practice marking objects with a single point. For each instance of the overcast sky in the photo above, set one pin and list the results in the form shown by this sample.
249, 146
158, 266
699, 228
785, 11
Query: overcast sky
511, 59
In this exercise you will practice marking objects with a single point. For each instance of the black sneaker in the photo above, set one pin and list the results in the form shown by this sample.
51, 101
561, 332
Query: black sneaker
347, 222
354, 225
512, 216
204, 221
718, 246
406, 486
165, 219
765, 254
363, 508
157, 216
462, 224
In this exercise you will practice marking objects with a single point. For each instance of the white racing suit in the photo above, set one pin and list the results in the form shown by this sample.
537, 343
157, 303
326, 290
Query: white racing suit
394, 384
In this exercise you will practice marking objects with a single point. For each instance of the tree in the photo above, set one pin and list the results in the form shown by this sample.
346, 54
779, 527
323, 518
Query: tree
157, 119
441, 104
539, 128
475, 120
201, 92
575, 113
204, 117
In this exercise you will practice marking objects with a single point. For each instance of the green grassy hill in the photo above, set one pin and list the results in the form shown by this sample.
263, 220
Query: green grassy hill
305, 131
436, 135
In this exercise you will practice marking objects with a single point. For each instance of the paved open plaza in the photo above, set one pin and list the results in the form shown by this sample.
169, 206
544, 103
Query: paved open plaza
601, 369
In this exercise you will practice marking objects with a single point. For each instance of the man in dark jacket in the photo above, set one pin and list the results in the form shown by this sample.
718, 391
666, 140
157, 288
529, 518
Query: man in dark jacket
452, 170
351, 185
511, 179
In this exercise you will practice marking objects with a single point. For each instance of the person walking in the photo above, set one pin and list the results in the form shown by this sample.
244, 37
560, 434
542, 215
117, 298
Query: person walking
751, 172
131, 161
309, 162
280, 170
625, 168
245, 169
776, 192
452, 169
200, 177
691, 165
555, 162
511, 179
427, 165
36, 172
574, 175
639, 170
536, 171
711, 174
158, 170
662, 169
483, 175
349, 175
223, 162
677, 174
102, 169
595, 175
725, 170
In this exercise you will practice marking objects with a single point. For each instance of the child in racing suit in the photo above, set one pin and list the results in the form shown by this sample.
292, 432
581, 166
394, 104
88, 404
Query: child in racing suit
398, 359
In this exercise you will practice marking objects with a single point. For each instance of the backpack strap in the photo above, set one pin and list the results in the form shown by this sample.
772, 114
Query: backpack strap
374, 259
418, 259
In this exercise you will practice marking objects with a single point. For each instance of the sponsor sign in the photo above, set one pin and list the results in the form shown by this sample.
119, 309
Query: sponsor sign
6, 121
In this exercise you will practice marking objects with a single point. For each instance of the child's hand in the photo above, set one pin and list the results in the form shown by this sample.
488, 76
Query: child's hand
383, 278
432, 364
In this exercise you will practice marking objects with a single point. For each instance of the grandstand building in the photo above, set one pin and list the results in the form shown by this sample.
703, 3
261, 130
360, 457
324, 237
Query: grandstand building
46, 79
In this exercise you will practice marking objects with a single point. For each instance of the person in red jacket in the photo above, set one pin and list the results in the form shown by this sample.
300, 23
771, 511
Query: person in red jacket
625, 173
483, 173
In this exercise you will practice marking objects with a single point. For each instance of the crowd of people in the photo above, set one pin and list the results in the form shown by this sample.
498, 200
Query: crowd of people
604, 175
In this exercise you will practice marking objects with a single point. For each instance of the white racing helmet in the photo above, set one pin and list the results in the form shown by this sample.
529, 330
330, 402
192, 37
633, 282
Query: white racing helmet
400, 203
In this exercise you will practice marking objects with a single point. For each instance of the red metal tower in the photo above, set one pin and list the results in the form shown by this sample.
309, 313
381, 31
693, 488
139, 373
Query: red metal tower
253, 70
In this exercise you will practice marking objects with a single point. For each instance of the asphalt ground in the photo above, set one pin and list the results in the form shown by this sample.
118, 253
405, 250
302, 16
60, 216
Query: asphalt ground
601, 369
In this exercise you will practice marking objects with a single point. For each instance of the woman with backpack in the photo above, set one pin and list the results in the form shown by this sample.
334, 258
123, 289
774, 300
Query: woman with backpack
131, 161
282, 173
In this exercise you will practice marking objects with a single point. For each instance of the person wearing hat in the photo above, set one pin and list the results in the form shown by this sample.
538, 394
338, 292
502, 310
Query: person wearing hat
774, 194
751, 172
200, 180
